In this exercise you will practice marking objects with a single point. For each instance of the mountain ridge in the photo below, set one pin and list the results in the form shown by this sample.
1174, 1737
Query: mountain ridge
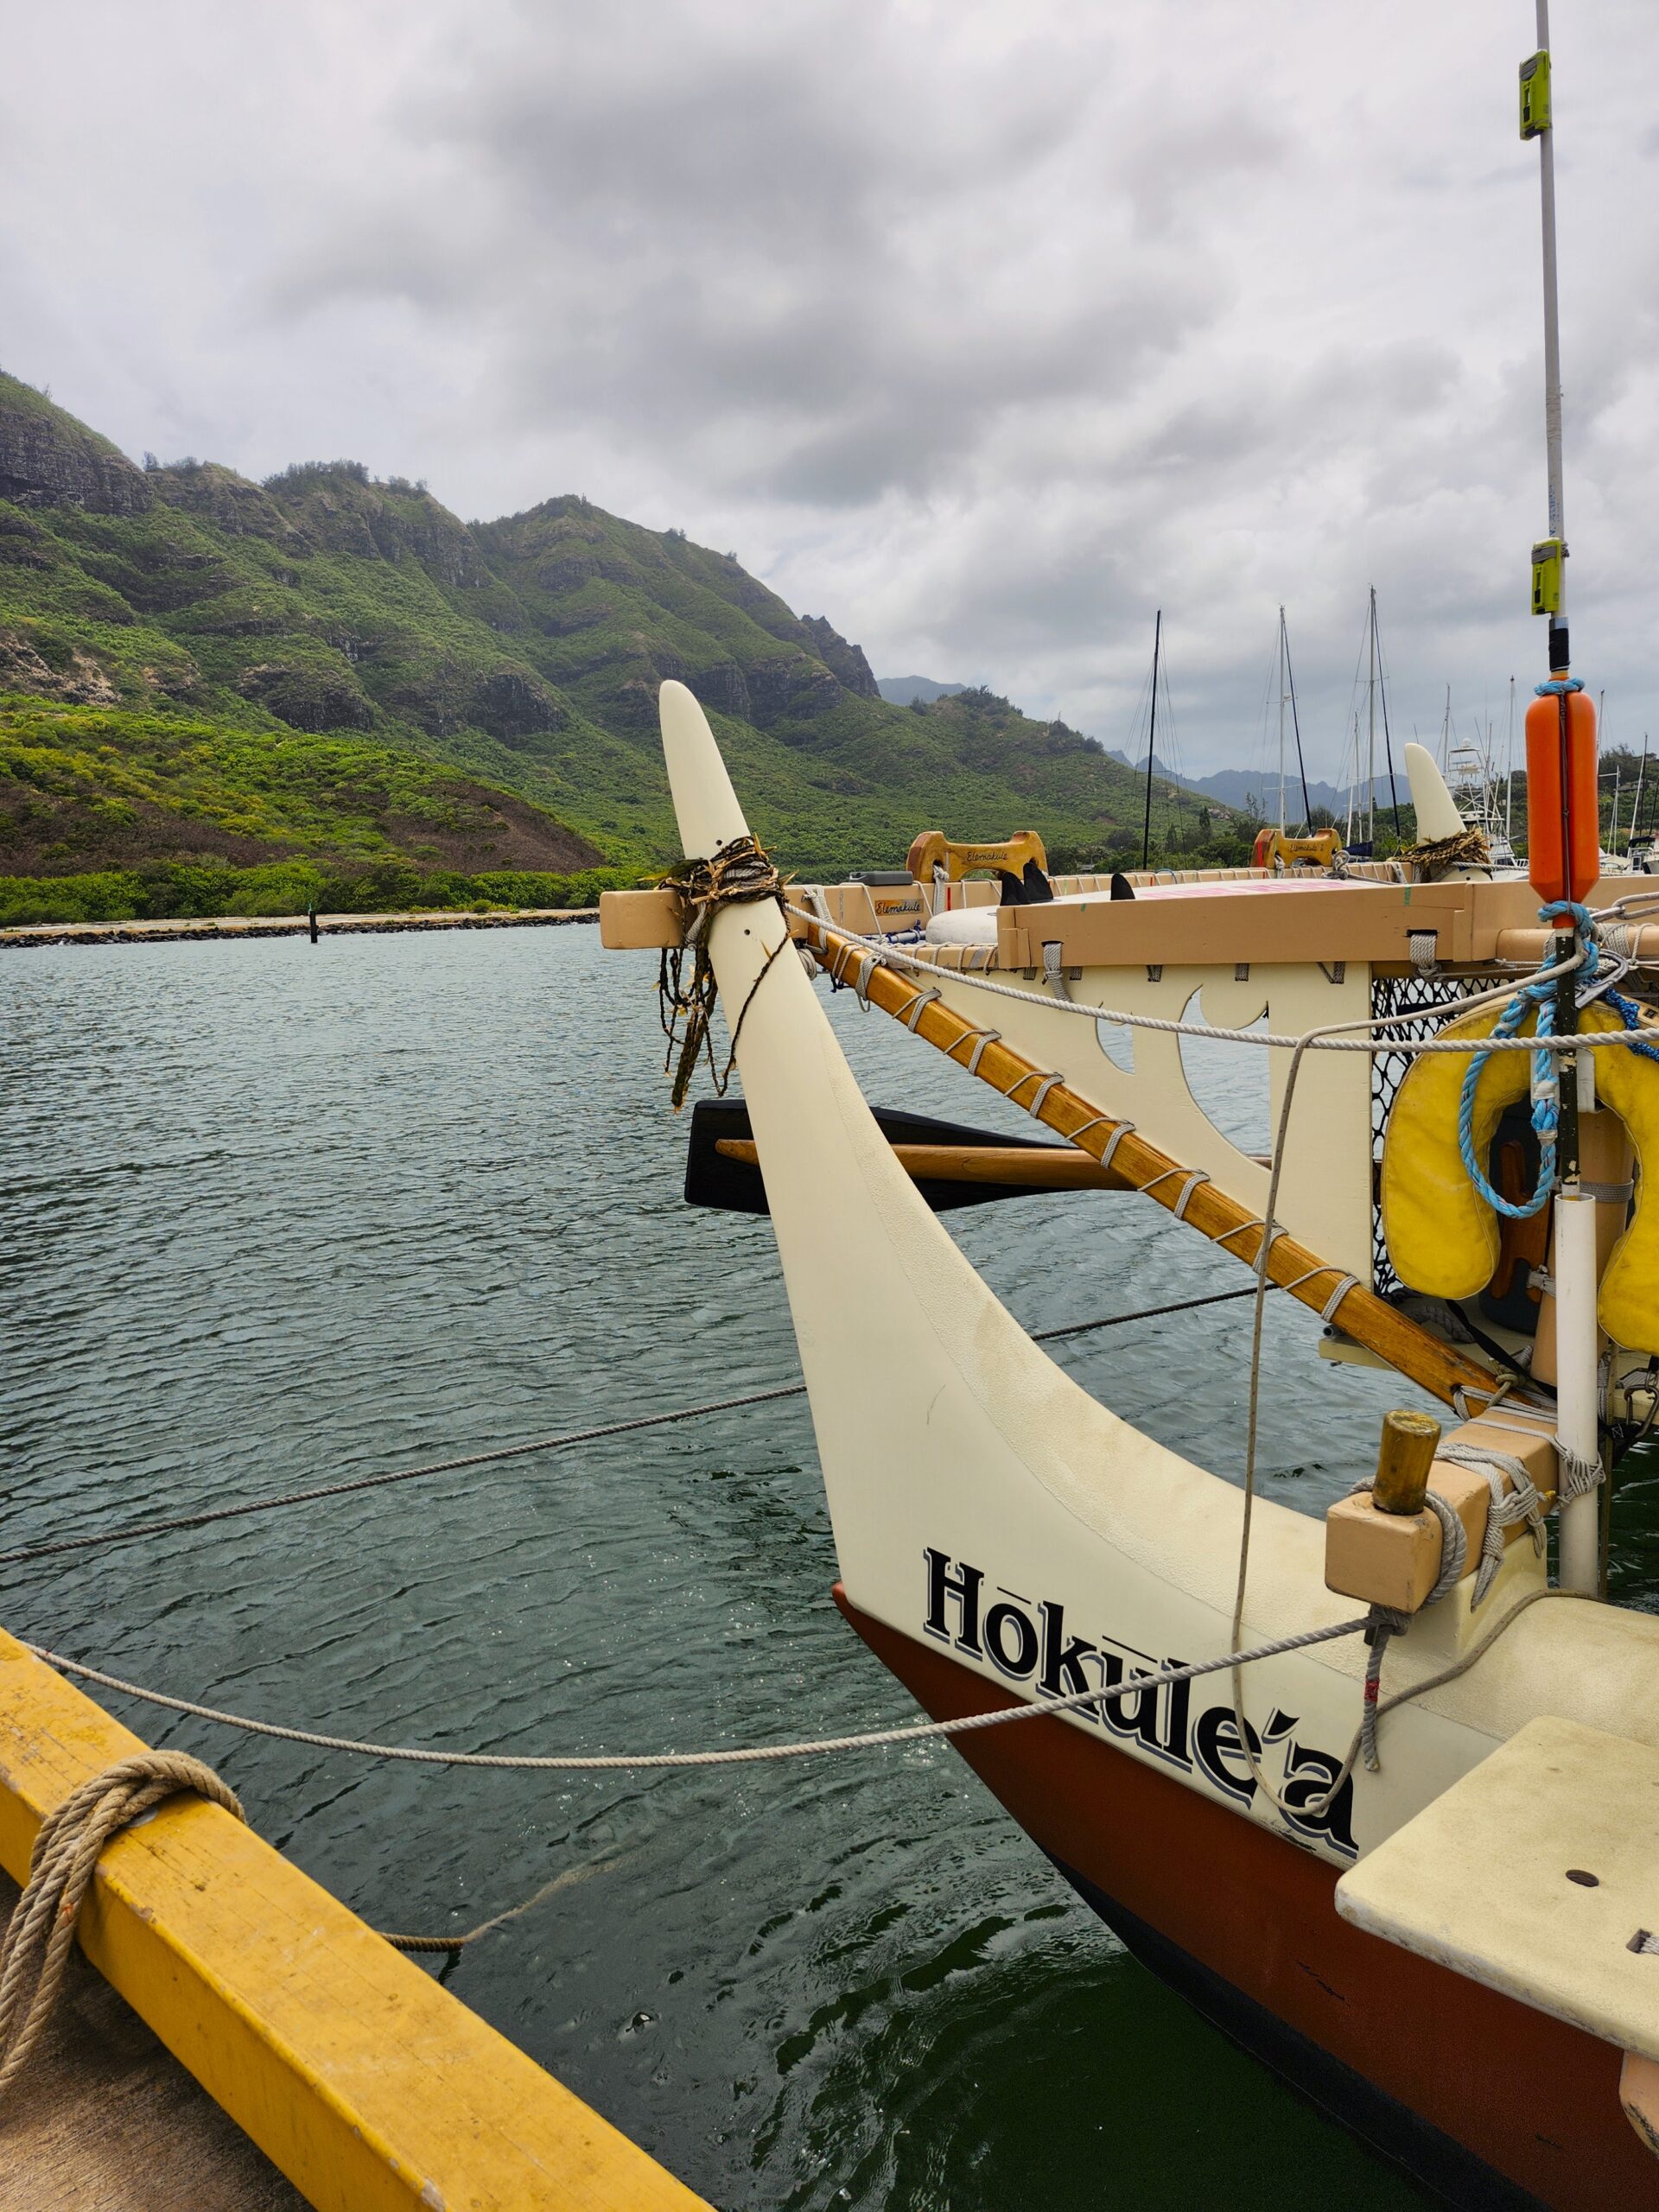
152, 617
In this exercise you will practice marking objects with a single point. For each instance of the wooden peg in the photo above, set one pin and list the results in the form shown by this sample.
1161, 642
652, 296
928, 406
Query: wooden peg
1403, 1459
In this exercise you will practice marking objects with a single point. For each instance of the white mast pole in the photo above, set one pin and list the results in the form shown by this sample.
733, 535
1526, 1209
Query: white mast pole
1552, 354
1281, 721
1578, 1337
1371, 725
1509, 771
1636, 804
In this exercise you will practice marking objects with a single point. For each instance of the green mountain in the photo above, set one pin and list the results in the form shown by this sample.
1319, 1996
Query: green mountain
215, 692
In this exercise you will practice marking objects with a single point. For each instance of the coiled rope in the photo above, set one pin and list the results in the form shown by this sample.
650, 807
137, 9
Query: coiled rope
34, 1948
1535, 997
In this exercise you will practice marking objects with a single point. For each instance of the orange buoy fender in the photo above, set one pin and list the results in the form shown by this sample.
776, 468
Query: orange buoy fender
1443, 1238
1554, 872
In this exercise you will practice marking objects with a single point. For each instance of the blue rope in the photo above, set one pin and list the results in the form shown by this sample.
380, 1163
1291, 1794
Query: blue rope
1630, 1016
1545, 1078
1557, 687
1539, 997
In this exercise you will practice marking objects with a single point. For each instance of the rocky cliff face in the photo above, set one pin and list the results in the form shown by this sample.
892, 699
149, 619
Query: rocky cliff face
48, 460
844, 661
217, 495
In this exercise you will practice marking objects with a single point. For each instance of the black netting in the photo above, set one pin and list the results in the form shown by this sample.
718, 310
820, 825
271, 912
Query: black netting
1427, 997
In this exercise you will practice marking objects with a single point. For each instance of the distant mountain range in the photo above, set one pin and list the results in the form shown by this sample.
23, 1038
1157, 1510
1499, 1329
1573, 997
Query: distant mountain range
902, 690
1249, 791
1255, 792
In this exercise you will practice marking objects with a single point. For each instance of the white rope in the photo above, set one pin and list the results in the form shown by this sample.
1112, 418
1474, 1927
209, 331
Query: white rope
912, 1733
1386, 1622
1505, 1509
1578, 1476
1046, 1079
1316, 1040
1123, 1129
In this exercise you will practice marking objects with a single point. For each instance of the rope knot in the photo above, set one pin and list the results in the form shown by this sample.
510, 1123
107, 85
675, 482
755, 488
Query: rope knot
738, 874
1466, 848
34, 1949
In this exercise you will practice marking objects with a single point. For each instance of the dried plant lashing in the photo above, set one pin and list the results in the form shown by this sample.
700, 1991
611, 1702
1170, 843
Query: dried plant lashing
738, 874
1464, 848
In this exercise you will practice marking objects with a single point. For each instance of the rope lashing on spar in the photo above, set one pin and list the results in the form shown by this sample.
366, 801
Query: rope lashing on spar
34, 1949
738, 874
1521, 1502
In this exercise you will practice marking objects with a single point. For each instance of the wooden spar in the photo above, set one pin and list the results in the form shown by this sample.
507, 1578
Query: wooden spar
1050, 1168
1360, 1314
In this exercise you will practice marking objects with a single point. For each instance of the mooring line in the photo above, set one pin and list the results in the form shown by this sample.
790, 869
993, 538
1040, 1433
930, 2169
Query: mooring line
522, 1451
755, 1755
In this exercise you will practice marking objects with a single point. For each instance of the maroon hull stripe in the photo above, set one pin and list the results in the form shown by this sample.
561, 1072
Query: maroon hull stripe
1533, 2099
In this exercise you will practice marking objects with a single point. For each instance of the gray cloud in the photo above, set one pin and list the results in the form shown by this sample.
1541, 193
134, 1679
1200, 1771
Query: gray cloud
988, 331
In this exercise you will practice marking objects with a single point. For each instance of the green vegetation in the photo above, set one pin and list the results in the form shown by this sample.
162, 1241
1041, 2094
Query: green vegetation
212, 689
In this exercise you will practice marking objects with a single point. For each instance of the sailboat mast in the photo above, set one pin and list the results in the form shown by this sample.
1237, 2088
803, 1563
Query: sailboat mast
1508, 770
1281, 721
1636, 804
1388, 741
1371, 723
1296, 726
1152, 738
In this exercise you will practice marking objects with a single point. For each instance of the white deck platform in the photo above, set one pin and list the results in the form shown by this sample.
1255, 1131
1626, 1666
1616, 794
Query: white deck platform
1490, 1879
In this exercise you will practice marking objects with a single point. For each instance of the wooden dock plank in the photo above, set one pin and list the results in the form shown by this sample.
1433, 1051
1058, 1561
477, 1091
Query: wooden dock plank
103, 2119
368, 2085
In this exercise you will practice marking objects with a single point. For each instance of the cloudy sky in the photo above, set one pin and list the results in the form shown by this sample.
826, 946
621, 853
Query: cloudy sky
984, 329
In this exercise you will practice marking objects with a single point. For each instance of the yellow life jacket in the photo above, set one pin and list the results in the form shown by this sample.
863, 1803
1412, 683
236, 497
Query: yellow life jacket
1443, 1236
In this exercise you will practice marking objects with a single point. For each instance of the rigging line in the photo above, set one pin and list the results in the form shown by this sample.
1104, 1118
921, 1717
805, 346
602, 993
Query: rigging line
1252, 1426
1152, 736
1296, 725
894, 956
541, 1444
1387, 742
748, 1755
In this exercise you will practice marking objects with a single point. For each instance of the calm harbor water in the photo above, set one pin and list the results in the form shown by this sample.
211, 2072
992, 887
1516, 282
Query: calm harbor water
275, 1213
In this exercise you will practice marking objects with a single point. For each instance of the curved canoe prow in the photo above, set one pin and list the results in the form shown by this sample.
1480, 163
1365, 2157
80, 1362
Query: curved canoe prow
942, 1428
1436, 810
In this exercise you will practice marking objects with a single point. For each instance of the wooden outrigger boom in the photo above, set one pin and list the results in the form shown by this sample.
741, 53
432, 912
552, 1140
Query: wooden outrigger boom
1368, 1320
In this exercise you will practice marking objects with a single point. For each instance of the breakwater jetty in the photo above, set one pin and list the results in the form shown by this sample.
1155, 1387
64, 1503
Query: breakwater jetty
320, 925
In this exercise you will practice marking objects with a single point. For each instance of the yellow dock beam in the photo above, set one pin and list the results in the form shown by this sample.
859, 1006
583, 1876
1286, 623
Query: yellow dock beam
367, 2084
